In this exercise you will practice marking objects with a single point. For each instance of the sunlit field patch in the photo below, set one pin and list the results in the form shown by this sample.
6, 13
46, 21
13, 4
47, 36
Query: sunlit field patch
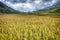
29, 27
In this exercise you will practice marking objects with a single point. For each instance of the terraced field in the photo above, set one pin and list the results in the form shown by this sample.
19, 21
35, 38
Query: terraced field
29, 27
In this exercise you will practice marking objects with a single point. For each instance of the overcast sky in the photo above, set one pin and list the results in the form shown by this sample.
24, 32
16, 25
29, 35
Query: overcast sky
29, 5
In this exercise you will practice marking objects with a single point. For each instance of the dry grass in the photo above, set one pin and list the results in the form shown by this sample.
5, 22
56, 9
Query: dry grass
29, 27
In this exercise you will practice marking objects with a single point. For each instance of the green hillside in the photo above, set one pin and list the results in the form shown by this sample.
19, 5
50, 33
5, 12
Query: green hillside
6, 9
56, 10
51, 11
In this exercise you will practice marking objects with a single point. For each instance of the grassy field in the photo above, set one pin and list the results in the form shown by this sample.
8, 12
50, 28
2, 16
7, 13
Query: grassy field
29, 27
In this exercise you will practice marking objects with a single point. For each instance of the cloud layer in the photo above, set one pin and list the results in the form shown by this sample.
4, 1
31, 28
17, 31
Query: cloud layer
29, 5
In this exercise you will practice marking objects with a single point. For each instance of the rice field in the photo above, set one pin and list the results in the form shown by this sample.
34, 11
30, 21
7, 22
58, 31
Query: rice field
29, 27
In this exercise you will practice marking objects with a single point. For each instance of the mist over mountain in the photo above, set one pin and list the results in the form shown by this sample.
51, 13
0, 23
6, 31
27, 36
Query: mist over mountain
30, 5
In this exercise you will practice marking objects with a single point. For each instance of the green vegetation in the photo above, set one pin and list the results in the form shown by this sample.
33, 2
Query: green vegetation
29, 27
6, 9
51, 11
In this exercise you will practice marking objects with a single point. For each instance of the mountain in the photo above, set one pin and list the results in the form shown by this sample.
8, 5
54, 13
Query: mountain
51, 11
57, 3
54, 9
6, 9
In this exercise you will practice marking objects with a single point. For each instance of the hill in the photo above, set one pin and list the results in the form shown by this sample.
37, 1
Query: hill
6, 9
50, 11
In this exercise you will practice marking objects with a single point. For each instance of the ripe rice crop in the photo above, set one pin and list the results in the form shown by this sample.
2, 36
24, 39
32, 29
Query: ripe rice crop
29, 27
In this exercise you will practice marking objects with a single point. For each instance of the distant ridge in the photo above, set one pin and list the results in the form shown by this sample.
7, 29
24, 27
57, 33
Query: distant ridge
6, 9
50, 11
